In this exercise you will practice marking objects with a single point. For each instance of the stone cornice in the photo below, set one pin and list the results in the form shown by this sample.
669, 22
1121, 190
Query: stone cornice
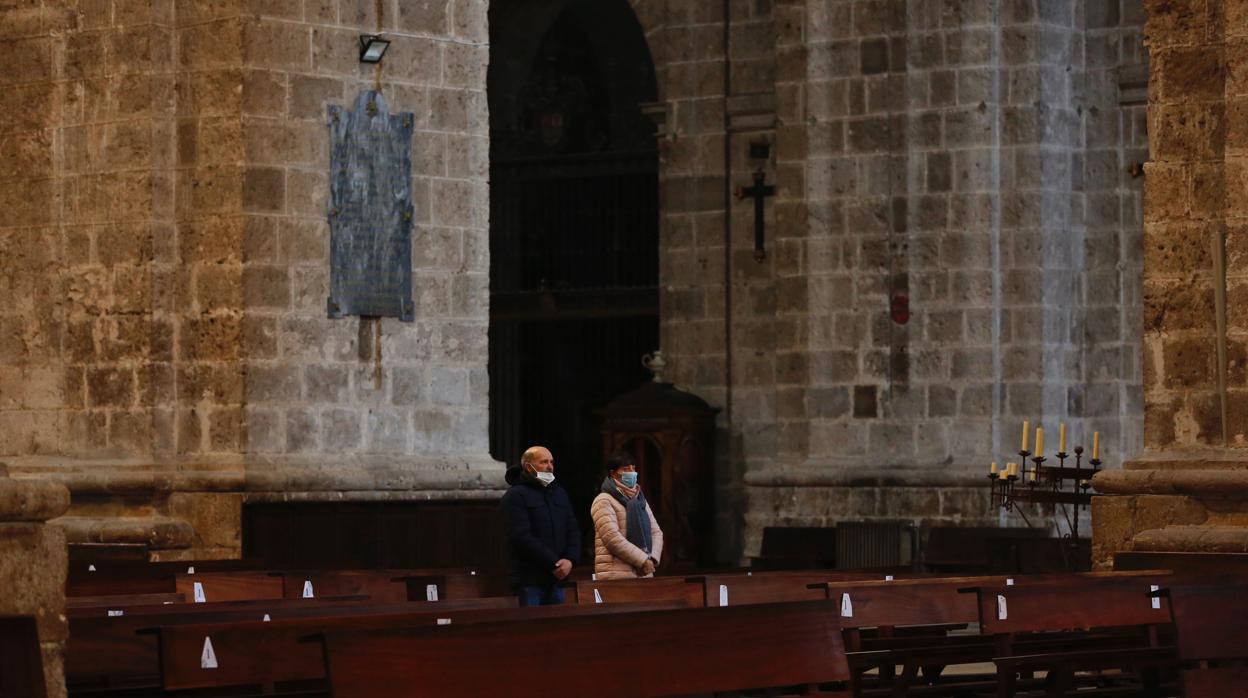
424, 478
1203, 483
1191, 459
857, 474
31, 500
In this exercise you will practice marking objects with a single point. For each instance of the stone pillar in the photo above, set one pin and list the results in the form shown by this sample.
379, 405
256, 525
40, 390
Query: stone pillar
1189, 489
32, 566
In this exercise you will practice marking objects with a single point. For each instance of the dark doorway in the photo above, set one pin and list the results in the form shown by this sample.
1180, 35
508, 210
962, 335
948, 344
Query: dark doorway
573, 227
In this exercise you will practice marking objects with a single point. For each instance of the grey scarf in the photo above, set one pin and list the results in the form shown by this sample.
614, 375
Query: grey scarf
637, 530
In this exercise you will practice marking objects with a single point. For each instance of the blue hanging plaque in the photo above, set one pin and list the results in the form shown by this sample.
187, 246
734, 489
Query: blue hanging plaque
370, 210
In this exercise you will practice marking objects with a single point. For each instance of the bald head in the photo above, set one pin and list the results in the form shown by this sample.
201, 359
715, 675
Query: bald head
537, 459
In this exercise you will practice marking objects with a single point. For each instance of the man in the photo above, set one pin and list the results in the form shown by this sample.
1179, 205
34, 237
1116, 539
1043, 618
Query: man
542, 539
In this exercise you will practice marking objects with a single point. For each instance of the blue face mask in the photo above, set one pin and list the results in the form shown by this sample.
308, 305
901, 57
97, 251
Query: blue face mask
629, 480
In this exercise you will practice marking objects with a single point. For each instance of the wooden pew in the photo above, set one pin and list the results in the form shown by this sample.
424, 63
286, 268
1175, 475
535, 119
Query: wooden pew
116, 601
272, 657
381, 586
737, 589
655, 653
1028, 612
1211, 637
21, 661
899, 627
113, 653
909, 621
110, 578
638, 590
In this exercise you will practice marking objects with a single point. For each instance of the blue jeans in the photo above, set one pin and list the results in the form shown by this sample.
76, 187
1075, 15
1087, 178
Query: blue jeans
541, 596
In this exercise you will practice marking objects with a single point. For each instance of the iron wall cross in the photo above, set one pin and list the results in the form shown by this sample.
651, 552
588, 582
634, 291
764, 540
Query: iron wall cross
759, 192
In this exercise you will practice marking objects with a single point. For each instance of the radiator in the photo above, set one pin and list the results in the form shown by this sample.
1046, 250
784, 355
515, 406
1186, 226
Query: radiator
864, 544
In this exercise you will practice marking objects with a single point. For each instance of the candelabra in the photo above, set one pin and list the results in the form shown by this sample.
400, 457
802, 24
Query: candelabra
1046, 484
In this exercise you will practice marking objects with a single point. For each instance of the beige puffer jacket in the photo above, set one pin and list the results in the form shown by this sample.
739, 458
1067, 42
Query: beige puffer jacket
614, 556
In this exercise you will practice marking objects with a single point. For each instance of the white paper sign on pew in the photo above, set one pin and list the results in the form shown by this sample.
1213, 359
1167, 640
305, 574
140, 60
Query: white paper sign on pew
597, 597
1156, 599
431, 592
208, 658
307, 589
723, 594
114, 614
1002, 609
847, 606
198, 593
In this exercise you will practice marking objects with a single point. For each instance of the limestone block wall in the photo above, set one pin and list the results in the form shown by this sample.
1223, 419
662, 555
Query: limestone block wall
164, 250
313, 385
1186, 492
167, 245
974, 158
1195, 193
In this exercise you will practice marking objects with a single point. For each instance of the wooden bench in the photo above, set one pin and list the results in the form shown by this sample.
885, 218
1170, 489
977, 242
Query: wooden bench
271, 656
709, 590
114, 601
21, 660
233, 584
737, 589
638, 590
655, 653
1211, 637
904, 624
113, 653
105, 577
104, 649
1029, 612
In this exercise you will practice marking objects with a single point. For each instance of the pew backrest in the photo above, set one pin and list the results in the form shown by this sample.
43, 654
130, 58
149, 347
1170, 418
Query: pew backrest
264, 653
677, 652
902, 603
1209, 621
640, 590
1084, 604
228, 586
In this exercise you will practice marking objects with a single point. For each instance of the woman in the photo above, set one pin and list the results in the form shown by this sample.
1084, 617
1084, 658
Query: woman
628, 542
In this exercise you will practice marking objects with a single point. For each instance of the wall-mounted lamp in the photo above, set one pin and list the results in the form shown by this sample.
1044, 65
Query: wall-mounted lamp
372, 48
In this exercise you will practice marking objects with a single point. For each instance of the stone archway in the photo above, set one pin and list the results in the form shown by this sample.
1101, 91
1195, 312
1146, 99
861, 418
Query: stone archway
574, 226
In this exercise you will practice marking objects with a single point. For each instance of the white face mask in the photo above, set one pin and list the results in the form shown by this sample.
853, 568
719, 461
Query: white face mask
545, 478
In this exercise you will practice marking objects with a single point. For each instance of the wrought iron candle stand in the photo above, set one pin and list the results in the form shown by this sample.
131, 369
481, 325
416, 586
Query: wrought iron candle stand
1043, 484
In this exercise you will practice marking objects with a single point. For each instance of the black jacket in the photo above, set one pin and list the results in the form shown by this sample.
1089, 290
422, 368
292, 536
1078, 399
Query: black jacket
539, 529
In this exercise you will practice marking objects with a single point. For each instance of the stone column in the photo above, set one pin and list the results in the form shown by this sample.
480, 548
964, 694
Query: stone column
32, 565
1188, 491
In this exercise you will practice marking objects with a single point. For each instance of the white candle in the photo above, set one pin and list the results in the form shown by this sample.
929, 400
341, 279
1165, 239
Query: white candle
1026, 431
1039, 441
1061, 438
1096, 445
992, 469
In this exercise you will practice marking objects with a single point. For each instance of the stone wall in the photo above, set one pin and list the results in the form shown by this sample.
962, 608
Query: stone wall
973, 158
166, 249
1187, 490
